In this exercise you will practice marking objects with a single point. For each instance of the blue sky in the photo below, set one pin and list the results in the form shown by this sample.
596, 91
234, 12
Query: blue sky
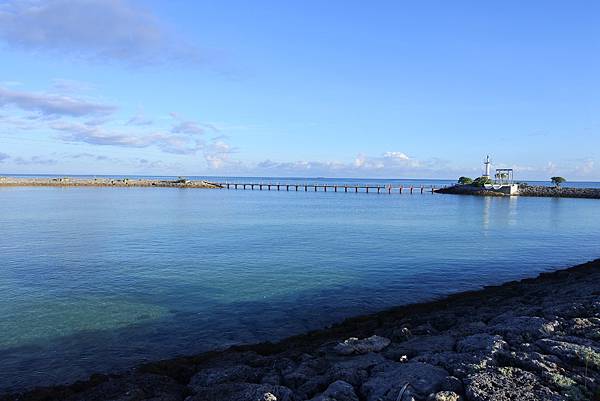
338, 88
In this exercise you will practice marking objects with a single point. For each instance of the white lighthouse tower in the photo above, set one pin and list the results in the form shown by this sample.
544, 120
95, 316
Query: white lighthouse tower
487, 165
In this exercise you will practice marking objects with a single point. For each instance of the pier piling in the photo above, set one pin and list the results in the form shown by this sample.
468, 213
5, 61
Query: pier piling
325, 187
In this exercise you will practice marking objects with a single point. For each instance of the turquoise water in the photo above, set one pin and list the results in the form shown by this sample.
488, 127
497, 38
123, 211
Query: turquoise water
98, 279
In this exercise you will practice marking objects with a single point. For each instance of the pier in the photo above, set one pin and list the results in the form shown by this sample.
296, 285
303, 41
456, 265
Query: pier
305, 187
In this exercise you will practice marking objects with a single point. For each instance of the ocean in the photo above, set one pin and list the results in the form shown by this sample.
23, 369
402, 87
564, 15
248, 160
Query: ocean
102, 279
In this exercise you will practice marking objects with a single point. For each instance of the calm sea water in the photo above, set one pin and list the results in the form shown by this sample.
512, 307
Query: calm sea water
98, 279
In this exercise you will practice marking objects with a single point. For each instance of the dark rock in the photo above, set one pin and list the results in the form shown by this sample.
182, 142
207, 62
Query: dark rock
401, 334
243, 392
483, 342
508, 384
271, 378
420, 345
523, 328
589, 328
453, 384
338, 391
445, 396
533, 362
133, 388
313, 386
459, 364
354, 370
308, 368
388, 379
574, 353
212, 376
354, 345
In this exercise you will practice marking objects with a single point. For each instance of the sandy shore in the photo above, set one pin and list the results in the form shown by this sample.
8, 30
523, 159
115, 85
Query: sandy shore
535, 339
101, 182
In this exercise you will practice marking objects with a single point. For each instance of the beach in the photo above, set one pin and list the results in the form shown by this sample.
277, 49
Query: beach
533, 339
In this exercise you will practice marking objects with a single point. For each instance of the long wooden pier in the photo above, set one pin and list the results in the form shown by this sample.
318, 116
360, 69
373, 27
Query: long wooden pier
363, 188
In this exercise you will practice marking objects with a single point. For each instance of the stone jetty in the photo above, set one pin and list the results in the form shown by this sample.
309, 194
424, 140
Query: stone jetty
103, 182
534, 339
525, 190
592, 193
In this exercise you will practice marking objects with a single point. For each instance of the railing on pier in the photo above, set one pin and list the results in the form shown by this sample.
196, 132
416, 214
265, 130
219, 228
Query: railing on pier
306, 187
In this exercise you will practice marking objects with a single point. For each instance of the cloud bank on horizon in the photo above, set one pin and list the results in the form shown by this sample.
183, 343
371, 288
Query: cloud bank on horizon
123, 87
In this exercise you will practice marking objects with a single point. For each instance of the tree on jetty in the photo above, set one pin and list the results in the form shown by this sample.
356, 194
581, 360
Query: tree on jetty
557, 181
465, 180
481, 181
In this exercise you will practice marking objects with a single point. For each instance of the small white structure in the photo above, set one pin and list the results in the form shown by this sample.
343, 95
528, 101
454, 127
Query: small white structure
504, 179
487, 165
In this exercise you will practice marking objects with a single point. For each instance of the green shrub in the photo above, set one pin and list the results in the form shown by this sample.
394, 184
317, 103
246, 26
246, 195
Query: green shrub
481, 181
557, 181
465, 180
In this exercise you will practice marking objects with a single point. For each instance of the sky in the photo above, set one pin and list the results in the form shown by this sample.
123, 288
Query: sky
338, 88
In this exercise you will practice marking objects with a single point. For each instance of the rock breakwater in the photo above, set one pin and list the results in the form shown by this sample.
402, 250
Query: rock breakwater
592, 193
103, 182
529, 190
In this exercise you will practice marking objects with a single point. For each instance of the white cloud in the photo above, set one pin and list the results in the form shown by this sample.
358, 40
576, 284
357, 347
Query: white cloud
389, 164
92, 29
183, 126
396, 155
35, 160
218, 154
52, 104
97, 135
140, 119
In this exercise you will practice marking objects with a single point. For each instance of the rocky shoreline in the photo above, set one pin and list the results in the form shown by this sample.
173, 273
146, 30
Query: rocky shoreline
534, 339
529, 190
103, 182
591, 193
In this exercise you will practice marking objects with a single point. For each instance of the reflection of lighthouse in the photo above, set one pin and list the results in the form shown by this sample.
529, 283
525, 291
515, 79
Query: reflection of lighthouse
487, 167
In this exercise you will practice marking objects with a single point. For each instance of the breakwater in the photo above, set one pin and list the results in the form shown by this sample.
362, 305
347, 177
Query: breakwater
592, 193
529, 190
103, 182
534, 339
